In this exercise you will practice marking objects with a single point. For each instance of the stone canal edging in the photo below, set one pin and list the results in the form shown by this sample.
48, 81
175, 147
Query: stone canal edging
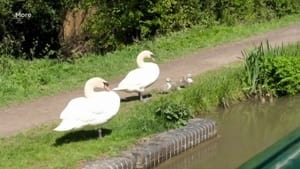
160, 147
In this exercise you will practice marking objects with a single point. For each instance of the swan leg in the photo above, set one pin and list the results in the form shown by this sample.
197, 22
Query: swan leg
141, 96
100, 133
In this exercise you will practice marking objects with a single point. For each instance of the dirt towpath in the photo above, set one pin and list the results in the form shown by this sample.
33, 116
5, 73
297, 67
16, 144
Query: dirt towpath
20, 117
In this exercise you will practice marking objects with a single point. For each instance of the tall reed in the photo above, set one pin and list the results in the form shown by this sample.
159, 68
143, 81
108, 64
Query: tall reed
262, 69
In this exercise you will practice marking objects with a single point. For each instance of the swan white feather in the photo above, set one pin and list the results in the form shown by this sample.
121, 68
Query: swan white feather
96, 108
139, 79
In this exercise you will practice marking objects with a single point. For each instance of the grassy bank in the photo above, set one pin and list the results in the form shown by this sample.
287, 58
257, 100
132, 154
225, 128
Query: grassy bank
24, 80
43, 148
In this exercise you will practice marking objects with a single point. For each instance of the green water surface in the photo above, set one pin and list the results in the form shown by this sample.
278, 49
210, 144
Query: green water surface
244, 130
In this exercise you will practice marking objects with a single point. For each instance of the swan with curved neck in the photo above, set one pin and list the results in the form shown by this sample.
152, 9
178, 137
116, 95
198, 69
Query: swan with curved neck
140, 60
139, 79
91, 84
97, 107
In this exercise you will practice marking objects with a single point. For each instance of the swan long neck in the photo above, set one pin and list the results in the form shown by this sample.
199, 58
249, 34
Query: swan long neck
89, 88
140, 60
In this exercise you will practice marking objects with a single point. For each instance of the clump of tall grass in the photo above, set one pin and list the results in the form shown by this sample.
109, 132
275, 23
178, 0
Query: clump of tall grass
253, 64
272, 71
217, 88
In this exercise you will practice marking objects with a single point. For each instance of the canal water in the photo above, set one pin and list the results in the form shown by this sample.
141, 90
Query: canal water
244, 130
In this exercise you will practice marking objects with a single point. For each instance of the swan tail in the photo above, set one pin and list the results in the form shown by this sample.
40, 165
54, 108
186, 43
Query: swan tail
67, 125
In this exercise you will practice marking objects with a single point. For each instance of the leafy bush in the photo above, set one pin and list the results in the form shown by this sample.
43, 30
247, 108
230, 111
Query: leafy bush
283, 75
118, 23
32, 27
174, 115
272, 71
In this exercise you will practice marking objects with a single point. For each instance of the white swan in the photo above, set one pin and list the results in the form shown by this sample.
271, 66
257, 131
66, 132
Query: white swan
142, 77
96, 108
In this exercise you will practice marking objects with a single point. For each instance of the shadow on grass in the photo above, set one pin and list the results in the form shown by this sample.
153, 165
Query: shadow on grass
81, 135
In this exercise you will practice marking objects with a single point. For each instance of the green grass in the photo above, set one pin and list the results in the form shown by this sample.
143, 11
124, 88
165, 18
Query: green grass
43, 148
24, 80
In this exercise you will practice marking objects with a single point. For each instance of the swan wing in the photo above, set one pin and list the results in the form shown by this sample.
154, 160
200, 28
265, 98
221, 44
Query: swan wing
133, 78
72, 116
89, 111
76, 109
139, 78
106, 102
67, 125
